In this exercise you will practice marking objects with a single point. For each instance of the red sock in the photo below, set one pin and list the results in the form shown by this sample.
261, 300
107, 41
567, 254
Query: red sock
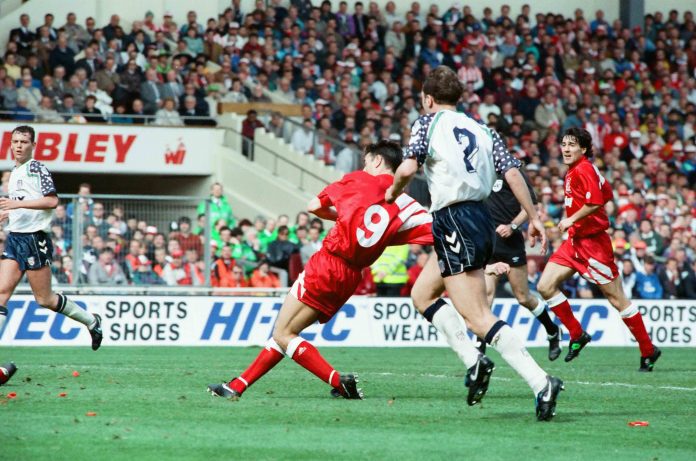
637, 327
267, 359
309, 357
561, 307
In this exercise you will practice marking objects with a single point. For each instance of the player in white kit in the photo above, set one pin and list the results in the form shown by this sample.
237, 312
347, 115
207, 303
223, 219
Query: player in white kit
461, 158
28, 247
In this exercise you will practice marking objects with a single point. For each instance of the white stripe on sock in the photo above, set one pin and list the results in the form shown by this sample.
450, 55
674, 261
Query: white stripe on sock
272, 344
541, 307
293, 345
556, 300
246, 384
630, 311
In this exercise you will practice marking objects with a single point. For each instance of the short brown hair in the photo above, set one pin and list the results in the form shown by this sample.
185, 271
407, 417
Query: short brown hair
443, 85
25, 129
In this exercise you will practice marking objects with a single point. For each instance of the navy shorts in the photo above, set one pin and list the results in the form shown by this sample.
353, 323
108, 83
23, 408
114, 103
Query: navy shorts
32, 250
464, 237
511, 250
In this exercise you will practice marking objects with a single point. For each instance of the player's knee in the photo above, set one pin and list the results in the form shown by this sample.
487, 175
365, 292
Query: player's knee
281, 338
545, 288
45, 301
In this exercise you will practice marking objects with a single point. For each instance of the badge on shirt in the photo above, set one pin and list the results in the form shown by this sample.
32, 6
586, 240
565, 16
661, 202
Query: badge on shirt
497, 185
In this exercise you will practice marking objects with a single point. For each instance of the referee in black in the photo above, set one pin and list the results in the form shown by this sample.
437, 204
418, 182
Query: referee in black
508, 217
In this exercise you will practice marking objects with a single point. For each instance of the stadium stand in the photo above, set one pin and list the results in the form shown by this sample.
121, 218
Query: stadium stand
354, 77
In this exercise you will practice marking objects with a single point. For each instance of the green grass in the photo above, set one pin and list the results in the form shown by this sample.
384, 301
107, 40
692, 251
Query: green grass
151, 404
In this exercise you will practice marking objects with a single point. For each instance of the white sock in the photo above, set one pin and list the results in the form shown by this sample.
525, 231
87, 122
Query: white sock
448, 322
630, 311
3, 316
539, 309
515, 354
75, 312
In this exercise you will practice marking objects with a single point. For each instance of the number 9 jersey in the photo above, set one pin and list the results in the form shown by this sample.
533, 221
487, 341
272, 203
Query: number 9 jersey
365, 226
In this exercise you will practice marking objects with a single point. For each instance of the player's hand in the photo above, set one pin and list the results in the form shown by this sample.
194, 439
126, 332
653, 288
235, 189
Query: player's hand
389, 196
537, 231
504, 230
565, 224
8, 204
497, 269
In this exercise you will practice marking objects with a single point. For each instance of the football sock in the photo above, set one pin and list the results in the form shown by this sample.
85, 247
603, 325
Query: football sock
308, 356
448, 322
506, 342
561, 307
634, 321
268, 358
68, 308
544, 318
3, 316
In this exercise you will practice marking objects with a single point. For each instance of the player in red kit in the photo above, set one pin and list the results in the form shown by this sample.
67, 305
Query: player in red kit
588, 250
365, 225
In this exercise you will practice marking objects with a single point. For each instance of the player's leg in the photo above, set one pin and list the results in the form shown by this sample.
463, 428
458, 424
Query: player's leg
291, 316
10, 275
468, 292
286, 333
633, 319
426, 294
520, 288
40, 282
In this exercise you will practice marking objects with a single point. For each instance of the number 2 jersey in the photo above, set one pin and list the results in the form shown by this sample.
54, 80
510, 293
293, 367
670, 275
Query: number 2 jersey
366, 223
584, 185
30, 181
461, 157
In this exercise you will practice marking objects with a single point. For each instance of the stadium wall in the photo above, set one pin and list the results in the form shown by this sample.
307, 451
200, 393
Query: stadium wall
363, 321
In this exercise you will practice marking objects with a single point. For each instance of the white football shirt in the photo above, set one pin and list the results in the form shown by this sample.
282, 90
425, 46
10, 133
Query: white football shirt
461, 157
30, 181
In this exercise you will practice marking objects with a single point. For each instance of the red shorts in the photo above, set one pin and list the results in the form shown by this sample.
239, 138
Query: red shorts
591, 256
326, 283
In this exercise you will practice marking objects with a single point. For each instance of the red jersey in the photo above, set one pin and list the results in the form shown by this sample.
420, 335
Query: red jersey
584, 185
366, 224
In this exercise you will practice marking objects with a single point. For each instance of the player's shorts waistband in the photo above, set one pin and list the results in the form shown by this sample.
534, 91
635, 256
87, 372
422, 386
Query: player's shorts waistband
28, 233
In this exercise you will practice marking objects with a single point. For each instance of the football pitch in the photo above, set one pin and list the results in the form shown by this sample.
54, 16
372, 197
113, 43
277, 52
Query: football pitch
151, 404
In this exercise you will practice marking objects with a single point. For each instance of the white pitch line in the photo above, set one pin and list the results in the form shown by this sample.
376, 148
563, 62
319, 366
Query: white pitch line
584, 383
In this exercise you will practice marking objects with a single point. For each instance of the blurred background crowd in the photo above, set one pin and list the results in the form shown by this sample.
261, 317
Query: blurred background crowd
356, 73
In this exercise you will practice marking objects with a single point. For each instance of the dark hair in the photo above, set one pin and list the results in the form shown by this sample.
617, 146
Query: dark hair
389, 150
25, 129
583, 138
443, 85
283, 229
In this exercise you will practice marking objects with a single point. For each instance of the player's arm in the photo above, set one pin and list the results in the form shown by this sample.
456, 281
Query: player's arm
507, 165
583, 212
48, 202
404, 173
506, 230
414, 156
323, 211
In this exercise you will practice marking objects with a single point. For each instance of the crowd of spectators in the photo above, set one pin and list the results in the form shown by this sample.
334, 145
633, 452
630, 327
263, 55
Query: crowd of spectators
357, 73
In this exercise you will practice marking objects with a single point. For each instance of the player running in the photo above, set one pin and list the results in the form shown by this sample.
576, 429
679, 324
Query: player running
461, 159
365, 226
28, 247
508, 216
588, 250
